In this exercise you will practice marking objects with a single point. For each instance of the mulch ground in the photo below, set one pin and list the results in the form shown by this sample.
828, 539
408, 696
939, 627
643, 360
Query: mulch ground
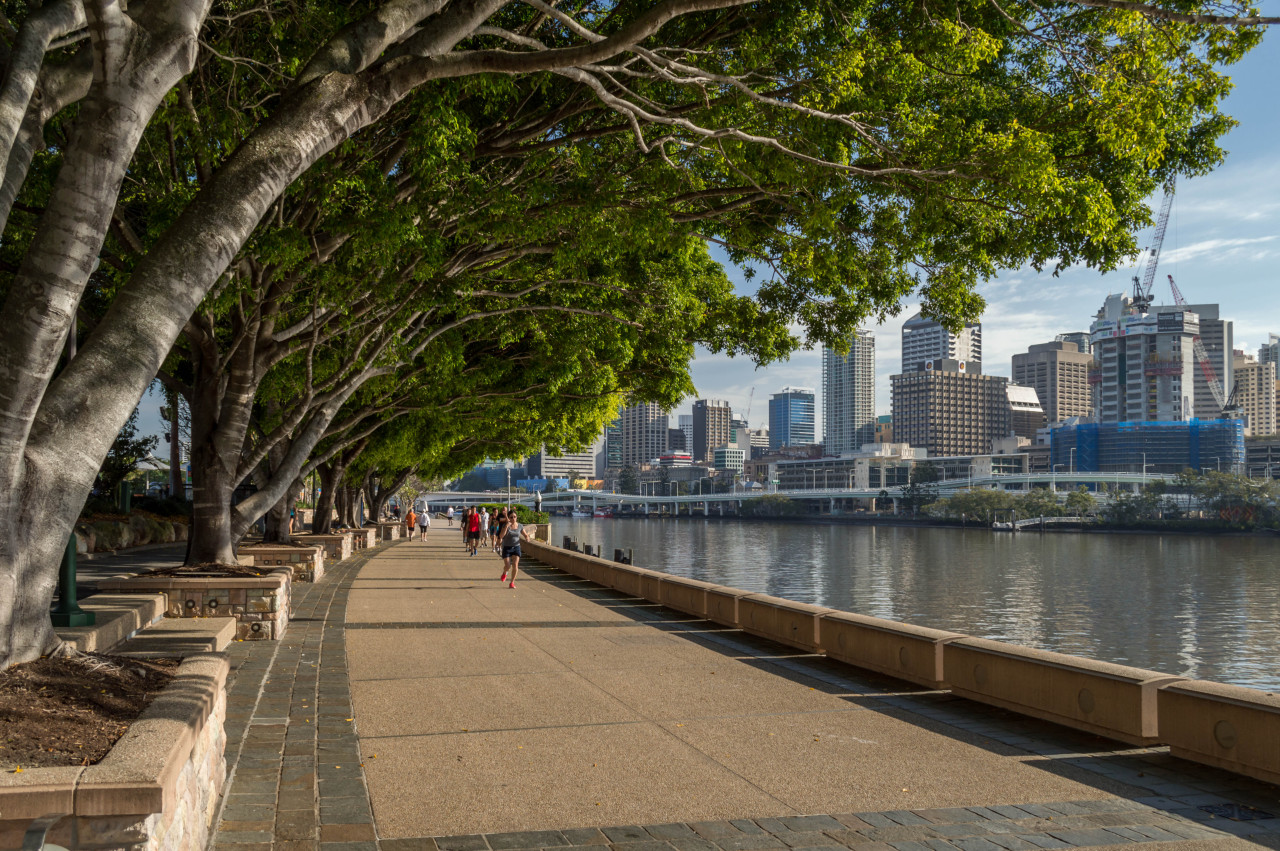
208, 570
71, 711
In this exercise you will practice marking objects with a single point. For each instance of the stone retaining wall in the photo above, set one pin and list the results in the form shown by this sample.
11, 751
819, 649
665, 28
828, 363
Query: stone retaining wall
260, 605
156, 790
1231, 727
337, 546
307, 563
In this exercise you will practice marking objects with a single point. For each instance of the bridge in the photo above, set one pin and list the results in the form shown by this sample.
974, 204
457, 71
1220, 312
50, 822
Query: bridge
705, 503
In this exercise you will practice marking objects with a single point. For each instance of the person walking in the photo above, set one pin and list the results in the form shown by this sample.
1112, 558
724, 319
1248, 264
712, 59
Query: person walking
424, 523
409, 520
449, 515
495, 523
473, 532
511, 535
484, 526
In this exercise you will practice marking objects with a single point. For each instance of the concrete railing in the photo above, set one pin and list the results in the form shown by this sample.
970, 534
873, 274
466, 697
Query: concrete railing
1231, 727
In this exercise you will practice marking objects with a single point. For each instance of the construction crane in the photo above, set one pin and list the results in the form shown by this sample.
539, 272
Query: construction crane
750, 397
1142, 288
1226, 401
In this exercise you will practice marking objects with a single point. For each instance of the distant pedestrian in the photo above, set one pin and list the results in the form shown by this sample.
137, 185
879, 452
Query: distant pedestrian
495, 522
449, 514
484, 526
424, 523
409, 521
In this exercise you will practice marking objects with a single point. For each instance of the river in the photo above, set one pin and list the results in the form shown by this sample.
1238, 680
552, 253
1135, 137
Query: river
1202, 607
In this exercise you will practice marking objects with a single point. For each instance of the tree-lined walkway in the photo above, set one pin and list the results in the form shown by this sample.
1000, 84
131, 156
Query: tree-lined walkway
563, 714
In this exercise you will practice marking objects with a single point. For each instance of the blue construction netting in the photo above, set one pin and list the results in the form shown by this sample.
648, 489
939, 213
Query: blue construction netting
1157, 447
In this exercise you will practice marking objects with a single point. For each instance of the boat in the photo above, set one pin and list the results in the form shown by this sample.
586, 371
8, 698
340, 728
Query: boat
603, 512
581, 512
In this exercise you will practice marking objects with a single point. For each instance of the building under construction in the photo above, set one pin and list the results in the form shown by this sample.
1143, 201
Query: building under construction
1149, 447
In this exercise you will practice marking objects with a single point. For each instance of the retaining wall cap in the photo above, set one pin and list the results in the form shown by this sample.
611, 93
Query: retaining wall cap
1251, 698
38, 791
727, 591
685, 580
789, 605
139, 775
274, 579
896, 627
1064, 661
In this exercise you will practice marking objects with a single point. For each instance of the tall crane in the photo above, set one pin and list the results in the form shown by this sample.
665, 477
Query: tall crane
1142, 288
1226, 402
750, 397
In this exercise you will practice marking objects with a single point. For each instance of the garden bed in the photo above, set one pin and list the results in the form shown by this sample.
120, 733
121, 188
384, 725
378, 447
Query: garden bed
70, 711
258, 598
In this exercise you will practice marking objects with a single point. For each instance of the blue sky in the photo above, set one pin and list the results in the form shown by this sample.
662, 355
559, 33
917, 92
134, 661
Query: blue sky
1222, 245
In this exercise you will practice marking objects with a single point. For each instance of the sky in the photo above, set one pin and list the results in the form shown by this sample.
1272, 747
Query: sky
1222, 245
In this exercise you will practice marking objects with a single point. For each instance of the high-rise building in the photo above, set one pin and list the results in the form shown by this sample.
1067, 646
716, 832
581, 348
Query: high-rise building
644, 433
1144, 366
791, 417
950, 408
710, 427
1059, 372
884, 429
1026, 416
612, 460
1217, 337
849, 395
1149, 447
685, 423
1255, 389
926, 340
1080, 338
675, 439
1269, 352
759, 442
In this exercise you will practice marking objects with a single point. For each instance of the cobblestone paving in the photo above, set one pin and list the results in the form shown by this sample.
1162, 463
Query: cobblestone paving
1062, 824
293, 765
296, 783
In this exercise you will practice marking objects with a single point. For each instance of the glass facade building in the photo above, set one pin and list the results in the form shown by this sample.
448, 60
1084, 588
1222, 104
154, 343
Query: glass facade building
792, 417
1152, 447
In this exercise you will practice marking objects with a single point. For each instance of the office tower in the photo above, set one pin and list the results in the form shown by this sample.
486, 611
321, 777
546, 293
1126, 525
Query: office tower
710, 427
759, 442
1217, 336
1144, 367
849, 395
791, 417
739, 435
1025, 412
1269, 352
613, 445
1255, 388
925, 340
949, 408
1080, 338
644, 433
566, 465
1059, 372
675, 439
884, 429
685, 424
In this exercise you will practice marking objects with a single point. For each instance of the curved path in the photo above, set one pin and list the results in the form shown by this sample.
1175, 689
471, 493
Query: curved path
416, 704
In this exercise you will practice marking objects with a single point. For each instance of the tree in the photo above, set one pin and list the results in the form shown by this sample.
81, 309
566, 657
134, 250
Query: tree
746, 110
1080, 502
629, 480
122, 459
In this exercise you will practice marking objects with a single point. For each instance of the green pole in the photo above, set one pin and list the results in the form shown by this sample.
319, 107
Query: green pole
68, 611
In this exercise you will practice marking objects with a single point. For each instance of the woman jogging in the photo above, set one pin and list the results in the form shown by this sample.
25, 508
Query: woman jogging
511, 533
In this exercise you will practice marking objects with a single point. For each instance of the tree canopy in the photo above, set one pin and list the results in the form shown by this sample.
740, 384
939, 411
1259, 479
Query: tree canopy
325, 191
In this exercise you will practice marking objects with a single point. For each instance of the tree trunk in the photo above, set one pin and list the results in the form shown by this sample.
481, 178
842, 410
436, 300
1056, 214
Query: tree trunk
177, 489
277, 531
329, 475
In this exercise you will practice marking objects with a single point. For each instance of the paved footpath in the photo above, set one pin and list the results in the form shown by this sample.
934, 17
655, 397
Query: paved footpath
417, 704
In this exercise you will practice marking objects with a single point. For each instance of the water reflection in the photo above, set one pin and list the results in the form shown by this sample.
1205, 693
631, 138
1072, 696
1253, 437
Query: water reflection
1195, 606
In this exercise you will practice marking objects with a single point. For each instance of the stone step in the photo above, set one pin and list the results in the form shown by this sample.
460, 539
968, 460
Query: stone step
180, 637
120, 616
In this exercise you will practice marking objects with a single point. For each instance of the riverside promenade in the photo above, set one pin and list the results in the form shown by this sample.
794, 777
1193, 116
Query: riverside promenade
417, 704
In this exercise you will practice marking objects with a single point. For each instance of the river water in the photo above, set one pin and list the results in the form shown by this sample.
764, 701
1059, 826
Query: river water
1203, 607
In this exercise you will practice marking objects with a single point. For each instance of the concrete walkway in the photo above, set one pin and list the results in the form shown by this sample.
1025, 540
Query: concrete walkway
491, 718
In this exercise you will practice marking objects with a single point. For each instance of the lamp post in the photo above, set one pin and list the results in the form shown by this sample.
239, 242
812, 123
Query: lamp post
508, 487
